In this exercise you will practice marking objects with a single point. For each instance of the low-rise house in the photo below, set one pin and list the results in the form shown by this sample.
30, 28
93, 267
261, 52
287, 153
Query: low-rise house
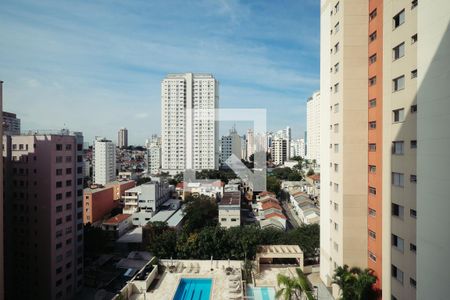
305, 208
210, 188
145, 200
230, 209
99, 201
117, 225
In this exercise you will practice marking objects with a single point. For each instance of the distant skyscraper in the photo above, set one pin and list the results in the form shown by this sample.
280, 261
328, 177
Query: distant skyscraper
279, 150
44, 228
11, 124
297, 148
250, 143
104, 161
189, 129
154, 155
230, 144
122, 139
313, 127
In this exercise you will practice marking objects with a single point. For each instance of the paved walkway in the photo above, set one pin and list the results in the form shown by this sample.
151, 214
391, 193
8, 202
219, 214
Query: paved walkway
323, 293
293, 218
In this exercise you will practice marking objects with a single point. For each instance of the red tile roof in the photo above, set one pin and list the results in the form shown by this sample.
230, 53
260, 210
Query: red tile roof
117, 219
266, 193
315, 177
268, 205
275, 215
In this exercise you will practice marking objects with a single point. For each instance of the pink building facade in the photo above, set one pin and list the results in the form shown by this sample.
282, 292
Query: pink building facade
44, 220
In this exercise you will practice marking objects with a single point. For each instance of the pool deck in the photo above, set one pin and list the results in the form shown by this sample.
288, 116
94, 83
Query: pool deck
168, 282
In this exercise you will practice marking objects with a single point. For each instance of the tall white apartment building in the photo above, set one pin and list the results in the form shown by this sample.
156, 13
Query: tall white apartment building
341, 118
250, 143
297, 148
230, 144
154, 155
189, 129
433, 140
279, 151
104, 161
313, 127
122, 138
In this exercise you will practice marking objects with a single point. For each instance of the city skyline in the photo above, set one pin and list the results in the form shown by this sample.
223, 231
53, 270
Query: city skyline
74, 59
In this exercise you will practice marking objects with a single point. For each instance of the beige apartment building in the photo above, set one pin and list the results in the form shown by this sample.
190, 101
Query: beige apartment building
369, 140
343, 136
406, 176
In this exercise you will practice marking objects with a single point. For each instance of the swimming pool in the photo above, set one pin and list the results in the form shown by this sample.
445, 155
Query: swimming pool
193, 289
261, 293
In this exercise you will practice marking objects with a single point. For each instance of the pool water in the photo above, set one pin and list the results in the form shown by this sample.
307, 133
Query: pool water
261, 293
193, 289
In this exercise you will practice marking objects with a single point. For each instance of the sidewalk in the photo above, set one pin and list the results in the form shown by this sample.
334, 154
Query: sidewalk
324, 293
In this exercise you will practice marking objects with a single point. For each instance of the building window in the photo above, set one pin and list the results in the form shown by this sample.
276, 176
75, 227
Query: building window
336, 148
414, 108
372, 169
372, 234
372, 14
372, 256
372, 36
372, 190
372, 212
414, 38
397, 273
413, 4
414, 73
397, 147
372, 147
412, 282
413, 213
372, 80
336, 28
336, 87
336, 48
398, 179
399, 19
59, 172
413, 178
372, 124
372, 103
68, 147
59, 147
336, 128
413, 144
336, 68
336, 226
336, 167
373, 59
412, 247
397, 210
398, 115
59, 196
398, 83
336, 8
336, 107
336, 187
397, 242
398, 51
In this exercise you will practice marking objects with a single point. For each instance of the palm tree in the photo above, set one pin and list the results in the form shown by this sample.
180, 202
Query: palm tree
291, 286
355, 283
294, 287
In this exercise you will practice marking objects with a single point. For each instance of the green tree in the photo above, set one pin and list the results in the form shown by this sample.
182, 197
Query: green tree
290, 288
355, 283
143, 180
273, 184
199, 212
310, 172
166, 247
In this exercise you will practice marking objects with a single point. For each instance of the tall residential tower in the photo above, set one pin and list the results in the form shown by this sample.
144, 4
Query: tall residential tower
189, 128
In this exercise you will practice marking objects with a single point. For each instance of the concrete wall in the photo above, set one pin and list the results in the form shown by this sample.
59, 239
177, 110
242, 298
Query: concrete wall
433, 160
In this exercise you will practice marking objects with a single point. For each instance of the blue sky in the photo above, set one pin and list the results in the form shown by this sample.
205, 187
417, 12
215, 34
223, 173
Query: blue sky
95, 66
